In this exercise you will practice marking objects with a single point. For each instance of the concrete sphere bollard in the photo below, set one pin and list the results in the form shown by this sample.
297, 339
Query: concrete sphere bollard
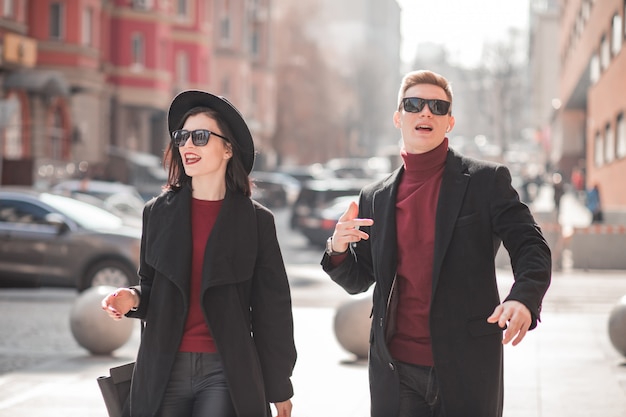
352, 326
92, 327
617, 326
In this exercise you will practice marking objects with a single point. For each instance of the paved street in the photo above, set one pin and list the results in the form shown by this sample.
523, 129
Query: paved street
567, 367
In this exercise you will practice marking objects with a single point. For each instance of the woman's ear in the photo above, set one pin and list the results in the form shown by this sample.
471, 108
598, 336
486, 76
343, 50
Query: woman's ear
228, 151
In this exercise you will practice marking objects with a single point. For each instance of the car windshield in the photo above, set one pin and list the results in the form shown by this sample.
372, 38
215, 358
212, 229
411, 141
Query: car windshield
86, 215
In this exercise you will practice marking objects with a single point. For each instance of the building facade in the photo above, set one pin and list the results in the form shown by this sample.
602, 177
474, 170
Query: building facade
95, 77
590, 125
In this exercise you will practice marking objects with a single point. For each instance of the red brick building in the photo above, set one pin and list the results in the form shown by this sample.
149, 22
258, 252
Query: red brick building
82, 77
591, 124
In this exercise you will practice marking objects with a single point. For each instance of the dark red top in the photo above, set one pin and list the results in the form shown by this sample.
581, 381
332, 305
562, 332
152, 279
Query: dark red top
416, 205
197, 336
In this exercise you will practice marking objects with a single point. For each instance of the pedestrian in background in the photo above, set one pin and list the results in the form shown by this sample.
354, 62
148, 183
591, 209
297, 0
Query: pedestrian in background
594, 204
427, 236
213, 290
558, 188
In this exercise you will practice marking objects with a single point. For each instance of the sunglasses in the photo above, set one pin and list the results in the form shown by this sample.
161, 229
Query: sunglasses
416, 105
199, 137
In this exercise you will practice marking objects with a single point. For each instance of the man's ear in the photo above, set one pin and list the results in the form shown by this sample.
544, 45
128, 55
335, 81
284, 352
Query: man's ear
450, 124
396, 120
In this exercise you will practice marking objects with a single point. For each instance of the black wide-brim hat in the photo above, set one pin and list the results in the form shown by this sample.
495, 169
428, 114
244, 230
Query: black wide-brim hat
189, 99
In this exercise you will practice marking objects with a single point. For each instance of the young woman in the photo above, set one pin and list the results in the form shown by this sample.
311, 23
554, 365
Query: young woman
213, 293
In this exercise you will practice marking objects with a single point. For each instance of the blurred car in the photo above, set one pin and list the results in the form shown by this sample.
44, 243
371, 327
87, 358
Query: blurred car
306, 173
315, 196
48, 239
274, 189
121, 199
320, 224
374, 167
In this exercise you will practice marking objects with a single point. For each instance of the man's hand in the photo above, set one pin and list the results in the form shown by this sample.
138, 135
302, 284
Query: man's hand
283, 408
518, 318
347, 228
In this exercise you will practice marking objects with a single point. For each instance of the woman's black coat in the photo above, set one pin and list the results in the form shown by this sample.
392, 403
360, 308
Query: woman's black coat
477, 210
245, 298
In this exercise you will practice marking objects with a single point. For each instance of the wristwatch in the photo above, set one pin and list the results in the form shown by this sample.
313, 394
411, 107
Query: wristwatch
329, 248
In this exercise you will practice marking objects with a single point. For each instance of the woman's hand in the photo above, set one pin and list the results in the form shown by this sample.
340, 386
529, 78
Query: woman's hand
120, 302
283, 408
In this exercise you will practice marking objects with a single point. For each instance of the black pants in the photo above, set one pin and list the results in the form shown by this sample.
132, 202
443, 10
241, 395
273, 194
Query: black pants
419, 391
197, 388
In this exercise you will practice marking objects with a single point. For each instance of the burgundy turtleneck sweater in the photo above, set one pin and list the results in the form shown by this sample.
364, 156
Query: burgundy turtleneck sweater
416, 205
197, 336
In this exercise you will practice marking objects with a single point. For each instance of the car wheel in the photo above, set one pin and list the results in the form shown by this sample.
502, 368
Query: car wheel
111, 273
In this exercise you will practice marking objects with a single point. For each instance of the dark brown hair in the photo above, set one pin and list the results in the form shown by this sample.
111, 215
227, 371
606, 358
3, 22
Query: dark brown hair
237, 179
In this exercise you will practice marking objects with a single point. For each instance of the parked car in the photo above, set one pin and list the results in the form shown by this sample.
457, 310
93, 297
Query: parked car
306, 173
121, 199
274, 189
320, 223
48, 239
315, 196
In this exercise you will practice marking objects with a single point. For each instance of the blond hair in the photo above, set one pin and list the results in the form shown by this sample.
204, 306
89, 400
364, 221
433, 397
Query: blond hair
424, 77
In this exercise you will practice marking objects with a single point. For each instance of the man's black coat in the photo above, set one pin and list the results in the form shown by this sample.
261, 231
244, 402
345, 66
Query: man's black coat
477, 210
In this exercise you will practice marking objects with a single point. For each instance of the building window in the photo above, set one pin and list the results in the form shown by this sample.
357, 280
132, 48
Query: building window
138, 48
87, 27
616, 42
605, 53
56, 21
609, 143
13, 145
182, 68
594, 69
225, 29
225, 23
598, 151
586, 10
182, 8
8, 8
620, 133
254, 43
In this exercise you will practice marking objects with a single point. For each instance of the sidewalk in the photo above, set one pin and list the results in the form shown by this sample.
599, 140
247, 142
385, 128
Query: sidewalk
566, 367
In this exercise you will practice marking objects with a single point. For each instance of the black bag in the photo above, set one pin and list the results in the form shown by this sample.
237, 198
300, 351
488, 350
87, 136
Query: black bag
115, 388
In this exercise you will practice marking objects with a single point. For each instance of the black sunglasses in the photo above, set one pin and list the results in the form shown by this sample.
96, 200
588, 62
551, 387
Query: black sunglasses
199, 137
416, 105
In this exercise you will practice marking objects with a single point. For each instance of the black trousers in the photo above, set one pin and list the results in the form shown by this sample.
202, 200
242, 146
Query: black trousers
197, 388
419, 391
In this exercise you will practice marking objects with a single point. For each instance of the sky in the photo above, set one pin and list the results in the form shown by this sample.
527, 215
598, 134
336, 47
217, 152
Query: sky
462, 26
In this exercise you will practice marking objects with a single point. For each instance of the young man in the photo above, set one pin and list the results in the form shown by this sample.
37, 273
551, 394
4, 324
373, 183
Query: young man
427, 236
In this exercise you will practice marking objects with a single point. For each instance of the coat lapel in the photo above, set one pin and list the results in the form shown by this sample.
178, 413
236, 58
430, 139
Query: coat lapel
384, 213
168, 237
230, 252
453, 186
